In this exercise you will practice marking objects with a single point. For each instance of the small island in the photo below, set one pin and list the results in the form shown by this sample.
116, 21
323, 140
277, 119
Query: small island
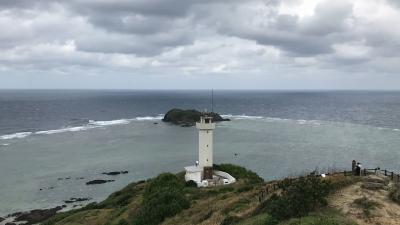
189, 117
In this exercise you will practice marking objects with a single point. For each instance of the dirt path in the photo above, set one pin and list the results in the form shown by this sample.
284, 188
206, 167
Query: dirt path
387, 212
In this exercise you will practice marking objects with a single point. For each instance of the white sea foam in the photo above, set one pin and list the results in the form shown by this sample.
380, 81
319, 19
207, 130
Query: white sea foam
16, 135
272, 119
69, 129
238, 117
396, 129
149, 118
108, 123
91, 125
5, 144
302, 121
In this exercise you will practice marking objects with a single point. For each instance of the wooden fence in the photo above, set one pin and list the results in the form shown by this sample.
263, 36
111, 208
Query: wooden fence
273, 186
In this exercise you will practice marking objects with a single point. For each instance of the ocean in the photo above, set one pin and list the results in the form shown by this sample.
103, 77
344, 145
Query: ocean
53, 142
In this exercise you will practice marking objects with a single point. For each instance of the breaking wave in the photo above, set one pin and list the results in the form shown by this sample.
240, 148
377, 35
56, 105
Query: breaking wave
271, 119
109, 123
16, 135
241, 117
92, 124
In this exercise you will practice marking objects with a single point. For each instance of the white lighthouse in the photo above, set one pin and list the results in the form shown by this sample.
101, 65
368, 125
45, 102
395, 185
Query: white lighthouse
205, 127
202, 173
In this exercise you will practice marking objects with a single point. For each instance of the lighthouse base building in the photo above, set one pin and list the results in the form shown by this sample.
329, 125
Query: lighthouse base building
202, 172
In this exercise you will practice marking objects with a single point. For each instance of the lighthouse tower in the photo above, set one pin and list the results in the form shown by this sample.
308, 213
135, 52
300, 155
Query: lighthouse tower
206, 127
202, 173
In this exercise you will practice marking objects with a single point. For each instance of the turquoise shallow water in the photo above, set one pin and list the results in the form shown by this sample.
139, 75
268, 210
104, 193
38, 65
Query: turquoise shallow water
270, 146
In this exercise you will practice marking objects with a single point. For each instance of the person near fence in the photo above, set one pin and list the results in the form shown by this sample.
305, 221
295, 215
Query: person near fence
358, 169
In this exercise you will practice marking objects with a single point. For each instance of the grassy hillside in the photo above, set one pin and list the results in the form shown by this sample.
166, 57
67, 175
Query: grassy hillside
167, 199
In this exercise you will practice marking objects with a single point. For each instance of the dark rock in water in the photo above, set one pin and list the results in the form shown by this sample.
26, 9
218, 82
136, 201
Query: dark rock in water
37, 215
112, 173
1, 219
14, 214
186, 125
10, 224
98, 182
187, 118
115, 173
73, 200
155, 123
79, 178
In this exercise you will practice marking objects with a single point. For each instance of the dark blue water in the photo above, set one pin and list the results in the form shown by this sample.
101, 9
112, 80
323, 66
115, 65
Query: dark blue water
22, 111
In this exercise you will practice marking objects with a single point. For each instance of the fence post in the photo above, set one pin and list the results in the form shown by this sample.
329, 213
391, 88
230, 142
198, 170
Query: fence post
385, 172
365, 172
391, 176
345, 174
398, 178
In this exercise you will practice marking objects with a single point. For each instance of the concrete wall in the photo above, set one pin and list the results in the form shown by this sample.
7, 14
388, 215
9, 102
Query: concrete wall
195, 176
226, 175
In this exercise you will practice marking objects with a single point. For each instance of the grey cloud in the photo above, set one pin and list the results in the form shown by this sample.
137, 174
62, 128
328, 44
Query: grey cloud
189, 36
330, 17
169, 8
131, 44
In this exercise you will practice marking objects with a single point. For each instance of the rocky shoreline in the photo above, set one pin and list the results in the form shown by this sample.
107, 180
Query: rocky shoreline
39, 215
31, 217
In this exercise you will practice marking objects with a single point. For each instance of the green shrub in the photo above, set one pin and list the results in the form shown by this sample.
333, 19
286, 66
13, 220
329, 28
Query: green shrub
225, 189
298, 199
394, 194
244, 188
261, 219
316, 221
162, 182
163, 197
239, 172
229, 220
123, 222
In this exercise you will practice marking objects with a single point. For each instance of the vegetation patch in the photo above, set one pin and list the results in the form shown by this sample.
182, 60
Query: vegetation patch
261, 219
366, 205
230, 220
394, 194
163, 197
299, 198
311, 220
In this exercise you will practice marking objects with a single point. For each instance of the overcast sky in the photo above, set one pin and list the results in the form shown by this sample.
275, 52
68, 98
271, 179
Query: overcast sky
202, 44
